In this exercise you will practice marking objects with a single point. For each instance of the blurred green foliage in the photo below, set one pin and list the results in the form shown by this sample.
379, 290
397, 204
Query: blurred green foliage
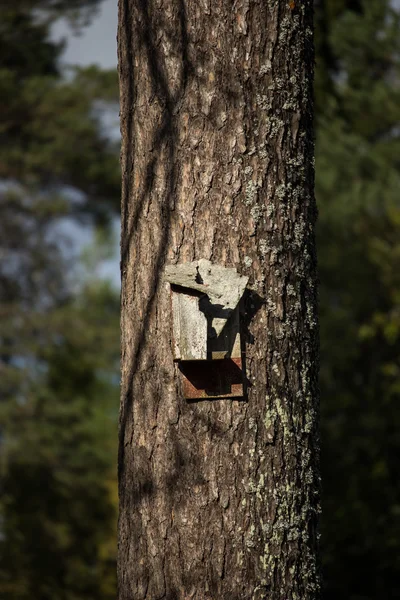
50, 129
59, 343
58, 476
357, 186
59, 348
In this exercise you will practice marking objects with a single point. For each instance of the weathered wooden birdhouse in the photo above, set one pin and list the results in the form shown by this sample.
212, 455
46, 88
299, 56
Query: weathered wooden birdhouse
206, 328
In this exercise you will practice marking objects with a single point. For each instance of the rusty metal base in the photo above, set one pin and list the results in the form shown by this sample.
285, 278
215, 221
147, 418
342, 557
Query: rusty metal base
208, 379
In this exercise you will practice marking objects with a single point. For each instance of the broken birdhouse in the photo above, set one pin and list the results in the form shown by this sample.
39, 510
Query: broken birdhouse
206, 327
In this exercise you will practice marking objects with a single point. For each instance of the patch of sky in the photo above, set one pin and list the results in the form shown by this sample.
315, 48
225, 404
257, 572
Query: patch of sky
96, 44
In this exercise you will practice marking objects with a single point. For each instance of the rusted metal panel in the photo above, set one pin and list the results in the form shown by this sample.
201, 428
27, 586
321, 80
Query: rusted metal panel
212, 379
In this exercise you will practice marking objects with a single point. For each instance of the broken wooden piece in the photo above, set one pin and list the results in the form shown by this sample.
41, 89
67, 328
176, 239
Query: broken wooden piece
223, 285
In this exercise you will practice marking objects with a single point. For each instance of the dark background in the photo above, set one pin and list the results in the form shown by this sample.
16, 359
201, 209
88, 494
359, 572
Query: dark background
59, 334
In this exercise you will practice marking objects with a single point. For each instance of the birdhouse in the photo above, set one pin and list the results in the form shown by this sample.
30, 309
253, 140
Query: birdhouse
206, 328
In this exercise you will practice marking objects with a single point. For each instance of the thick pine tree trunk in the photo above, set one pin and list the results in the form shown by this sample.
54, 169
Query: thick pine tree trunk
218, 499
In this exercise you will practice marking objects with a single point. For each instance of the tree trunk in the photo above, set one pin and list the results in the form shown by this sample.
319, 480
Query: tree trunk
219, 498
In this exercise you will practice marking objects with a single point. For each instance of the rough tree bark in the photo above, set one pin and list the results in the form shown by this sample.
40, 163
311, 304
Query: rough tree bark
219, 499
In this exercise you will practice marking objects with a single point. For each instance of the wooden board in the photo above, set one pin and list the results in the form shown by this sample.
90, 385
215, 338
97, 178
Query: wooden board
190, 328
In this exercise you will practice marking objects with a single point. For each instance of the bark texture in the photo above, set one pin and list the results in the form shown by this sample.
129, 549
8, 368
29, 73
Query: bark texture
219, 498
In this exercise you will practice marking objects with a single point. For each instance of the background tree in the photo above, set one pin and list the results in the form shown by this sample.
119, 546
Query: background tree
58, 340
218, 498
57, 420
357, 183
